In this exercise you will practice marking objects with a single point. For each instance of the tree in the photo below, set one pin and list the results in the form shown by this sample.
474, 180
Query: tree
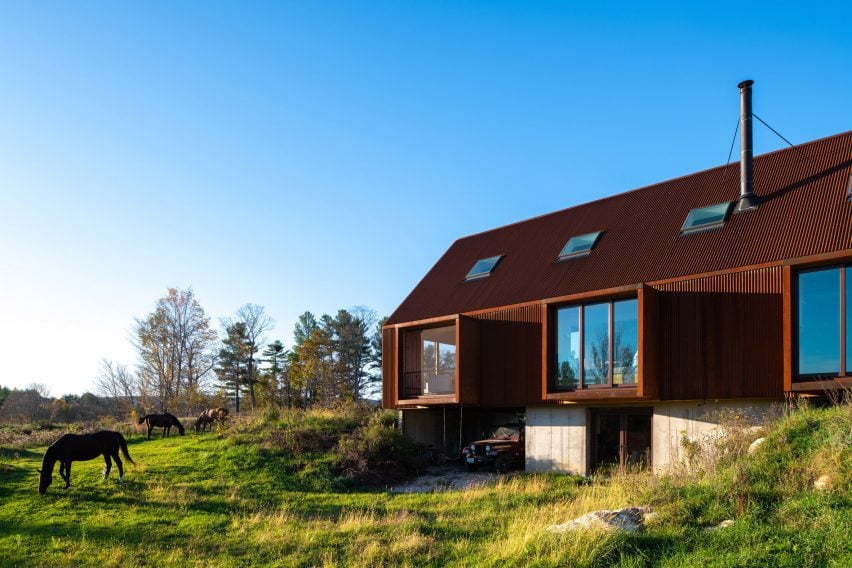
174, 343
351, 333
116, 382
255, 323
276, 357
303, 329
376, 351
26, 405
313, 367
231, 368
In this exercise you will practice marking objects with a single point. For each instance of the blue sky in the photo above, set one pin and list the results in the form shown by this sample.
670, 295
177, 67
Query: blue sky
315, 156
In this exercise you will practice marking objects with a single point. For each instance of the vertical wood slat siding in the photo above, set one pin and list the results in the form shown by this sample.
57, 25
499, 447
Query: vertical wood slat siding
389, 374
468, 361
722, 336
510, 356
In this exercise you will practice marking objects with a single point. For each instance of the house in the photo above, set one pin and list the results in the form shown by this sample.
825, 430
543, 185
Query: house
620, 326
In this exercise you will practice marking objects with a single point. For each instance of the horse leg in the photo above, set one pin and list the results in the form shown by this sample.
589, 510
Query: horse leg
67, 474
120, 467
62, 473
108, 465
149, 430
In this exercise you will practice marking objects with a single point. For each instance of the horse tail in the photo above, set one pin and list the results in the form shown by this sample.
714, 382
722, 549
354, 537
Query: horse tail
122, 443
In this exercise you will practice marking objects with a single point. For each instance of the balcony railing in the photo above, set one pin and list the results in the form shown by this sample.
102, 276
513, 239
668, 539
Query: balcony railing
425, 383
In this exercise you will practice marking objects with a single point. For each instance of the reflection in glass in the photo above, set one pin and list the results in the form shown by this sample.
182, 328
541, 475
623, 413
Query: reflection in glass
579, 244
567, 347
429, 361
819, 322
706, 217
625, 342
849, 316
596, 344
483, 267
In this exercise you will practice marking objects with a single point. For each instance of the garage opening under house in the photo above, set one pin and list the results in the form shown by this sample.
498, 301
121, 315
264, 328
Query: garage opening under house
619, 326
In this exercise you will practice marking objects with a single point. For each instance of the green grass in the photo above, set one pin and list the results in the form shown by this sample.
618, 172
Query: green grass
242, 499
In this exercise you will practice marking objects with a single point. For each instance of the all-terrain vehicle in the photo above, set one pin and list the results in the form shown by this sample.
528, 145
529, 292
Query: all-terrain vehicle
502, 449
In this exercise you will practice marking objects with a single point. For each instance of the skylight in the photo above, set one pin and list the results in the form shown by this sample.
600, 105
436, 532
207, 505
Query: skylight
483, 267
579, 245
708, 217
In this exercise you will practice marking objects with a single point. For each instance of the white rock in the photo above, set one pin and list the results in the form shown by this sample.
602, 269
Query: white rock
629, 519
723, 525
822, 483
756, 444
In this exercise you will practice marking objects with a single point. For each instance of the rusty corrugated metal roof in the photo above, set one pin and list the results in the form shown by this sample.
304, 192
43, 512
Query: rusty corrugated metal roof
803, 211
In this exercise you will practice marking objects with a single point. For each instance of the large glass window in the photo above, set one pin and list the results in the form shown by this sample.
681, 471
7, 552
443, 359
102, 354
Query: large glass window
819, 318
597, 344
849, 313
568, 348
429, 361
625, 342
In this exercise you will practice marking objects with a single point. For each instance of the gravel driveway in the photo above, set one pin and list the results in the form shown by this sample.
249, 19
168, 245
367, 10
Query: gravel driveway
448, 478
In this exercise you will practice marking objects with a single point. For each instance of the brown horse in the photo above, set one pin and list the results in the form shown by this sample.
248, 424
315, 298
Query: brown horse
82, 447
209, 416
164, 421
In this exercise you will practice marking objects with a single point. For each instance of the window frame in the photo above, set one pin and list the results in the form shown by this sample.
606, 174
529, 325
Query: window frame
844, 363
581, 385
479, 275
403, 392
684, 230
580, 253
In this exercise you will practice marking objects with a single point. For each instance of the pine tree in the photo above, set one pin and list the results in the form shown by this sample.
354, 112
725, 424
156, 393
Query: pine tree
232, 368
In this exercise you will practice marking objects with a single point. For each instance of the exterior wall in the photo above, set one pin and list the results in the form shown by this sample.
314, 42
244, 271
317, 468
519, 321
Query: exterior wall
673, 421
510, 356
721, 336
556, 439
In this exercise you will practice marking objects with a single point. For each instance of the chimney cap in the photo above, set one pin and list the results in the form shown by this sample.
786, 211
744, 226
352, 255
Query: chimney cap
745, 84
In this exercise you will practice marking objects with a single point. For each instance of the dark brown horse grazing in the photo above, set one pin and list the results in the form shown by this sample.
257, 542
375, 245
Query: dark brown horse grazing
164, 421
209, 416
82, 447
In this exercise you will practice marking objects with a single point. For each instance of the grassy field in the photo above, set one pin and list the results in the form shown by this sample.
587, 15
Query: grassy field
251, 496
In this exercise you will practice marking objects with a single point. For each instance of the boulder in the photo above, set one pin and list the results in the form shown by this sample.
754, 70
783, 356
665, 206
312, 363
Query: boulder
629, 519
756, 444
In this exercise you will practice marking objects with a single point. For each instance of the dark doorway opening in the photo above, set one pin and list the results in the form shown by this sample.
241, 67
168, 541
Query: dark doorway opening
621, 438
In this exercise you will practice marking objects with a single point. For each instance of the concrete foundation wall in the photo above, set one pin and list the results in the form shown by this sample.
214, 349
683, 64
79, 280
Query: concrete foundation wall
673, 421
556, 439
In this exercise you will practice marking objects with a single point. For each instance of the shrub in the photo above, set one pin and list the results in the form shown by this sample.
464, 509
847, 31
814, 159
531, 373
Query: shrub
378, 454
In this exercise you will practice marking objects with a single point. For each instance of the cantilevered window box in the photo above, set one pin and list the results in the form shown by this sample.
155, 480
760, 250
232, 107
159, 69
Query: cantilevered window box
437, 362
601, 346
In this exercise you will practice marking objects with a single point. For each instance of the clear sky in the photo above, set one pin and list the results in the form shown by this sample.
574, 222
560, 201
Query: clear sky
316, 156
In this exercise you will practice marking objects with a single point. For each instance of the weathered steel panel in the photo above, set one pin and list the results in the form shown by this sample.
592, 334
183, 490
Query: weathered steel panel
389, 375
721, 336
510, 356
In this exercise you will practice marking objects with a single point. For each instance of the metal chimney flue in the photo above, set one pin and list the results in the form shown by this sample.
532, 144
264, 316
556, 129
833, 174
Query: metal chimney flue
748, 200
